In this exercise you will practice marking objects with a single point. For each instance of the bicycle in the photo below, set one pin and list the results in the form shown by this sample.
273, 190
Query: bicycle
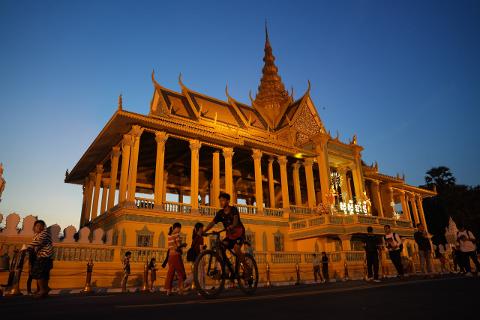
210, 273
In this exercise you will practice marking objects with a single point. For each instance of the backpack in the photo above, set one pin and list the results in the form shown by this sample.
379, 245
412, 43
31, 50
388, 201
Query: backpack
397, 238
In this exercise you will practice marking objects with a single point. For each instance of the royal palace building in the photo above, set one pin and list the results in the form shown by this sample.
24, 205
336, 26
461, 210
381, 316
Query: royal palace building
298, 189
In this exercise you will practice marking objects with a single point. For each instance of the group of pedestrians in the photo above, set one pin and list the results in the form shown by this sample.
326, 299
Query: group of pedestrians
464, 250
228, 216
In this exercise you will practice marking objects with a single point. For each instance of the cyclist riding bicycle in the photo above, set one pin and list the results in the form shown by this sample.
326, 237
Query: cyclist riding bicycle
230, 218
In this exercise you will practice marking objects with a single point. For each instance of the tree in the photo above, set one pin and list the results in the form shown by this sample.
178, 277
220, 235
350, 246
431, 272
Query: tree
440, 177
460, 202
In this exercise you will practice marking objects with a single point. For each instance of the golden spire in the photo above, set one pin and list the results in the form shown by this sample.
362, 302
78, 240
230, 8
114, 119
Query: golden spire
272, 98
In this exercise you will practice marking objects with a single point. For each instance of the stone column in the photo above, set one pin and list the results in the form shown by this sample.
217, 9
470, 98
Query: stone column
257, 161
390, 200
194, 168
342, 171
215, 180
160, 137
377, 198
271, 183
323, 167
165, 179
96, 195
358, 176
86, 203
414, 208
126, 148
310, 182
406, 212
132, 175
282, 161
103, 205
421, 212
228, 155
296, 184
114, 157
91, 186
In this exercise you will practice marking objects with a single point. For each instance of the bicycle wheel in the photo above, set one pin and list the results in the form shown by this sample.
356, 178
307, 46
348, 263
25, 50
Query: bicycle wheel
247, 274
208, 274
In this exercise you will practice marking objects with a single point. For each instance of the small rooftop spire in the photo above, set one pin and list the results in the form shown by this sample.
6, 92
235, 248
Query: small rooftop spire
120, 102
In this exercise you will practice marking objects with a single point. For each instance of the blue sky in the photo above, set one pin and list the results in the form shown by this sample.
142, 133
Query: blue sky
403, 75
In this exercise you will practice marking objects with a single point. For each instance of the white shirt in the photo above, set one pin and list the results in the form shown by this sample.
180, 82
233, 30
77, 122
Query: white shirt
466, 245
395, 239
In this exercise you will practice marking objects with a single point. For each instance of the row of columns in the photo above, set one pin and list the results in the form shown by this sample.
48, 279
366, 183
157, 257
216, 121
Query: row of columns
407, 199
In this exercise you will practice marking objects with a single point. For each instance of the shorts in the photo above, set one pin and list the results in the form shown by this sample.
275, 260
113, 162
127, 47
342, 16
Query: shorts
230, 243
41, 268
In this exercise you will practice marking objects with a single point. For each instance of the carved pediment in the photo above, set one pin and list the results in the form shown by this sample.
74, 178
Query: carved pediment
307, 125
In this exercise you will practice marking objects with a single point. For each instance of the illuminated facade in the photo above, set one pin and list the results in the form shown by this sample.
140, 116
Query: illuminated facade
298, 188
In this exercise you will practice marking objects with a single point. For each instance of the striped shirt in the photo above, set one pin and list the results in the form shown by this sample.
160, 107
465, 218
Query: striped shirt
174, 242
42, 244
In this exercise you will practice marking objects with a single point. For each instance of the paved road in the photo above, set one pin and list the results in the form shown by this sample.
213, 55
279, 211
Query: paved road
410, 299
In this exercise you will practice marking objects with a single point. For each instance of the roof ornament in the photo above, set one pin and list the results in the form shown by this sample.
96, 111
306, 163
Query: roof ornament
180, 82
354, 139
215, 119
337, 137
291, 92
120, 102
251, 98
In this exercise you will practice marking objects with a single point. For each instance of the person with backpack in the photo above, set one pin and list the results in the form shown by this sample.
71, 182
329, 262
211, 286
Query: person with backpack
467, 249
424, 249
394, 245
371, 252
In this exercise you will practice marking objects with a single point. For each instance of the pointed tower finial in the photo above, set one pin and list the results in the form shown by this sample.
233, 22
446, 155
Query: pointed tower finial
120, 102
266, 32
272, 98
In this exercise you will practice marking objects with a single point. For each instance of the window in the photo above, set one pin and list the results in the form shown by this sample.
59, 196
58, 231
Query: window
144, 237
278, 240
161, 240
144, 240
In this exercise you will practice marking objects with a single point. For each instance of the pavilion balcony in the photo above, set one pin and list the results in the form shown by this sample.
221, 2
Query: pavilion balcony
345, 224
204, 210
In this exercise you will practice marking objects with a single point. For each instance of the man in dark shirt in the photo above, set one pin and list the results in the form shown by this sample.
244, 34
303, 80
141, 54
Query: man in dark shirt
371, 251
424, 249
230, 218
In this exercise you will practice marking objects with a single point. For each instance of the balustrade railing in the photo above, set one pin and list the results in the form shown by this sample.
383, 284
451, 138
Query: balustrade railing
70, 253
144, 203
177, 207
246, 209
207, 210
141, 254
286, 257
354, 256
301, 210
347, 219
273, 212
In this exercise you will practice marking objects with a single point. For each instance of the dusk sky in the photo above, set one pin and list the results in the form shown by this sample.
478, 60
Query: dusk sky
402, 75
